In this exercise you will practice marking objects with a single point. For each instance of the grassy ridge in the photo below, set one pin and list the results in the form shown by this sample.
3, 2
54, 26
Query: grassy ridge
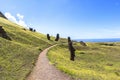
17, 57
17, 34
95, 62
16, 60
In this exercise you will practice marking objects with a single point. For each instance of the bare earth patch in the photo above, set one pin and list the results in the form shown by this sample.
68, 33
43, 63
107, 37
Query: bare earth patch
45, 71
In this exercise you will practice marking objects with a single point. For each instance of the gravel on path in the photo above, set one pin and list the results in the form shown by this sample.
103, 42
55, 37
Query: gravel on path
46, 71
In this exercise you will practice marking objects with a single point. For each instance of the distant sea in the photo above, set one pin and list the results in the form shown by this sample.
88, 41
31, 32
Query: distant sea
99, 40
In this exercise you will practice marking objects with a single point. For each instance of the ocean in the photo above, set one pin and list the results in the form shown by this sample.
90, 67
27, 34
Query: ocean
99, 40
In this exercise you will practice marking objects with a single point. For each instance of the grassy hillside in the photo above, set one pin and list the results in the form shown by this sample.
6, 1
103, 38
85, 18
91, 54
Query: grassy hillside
97, 61
17, 57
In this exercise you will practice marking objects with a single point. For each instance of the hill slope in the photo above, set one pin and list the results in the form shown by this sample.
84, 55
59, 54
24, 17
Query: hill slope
2, 15
97, 61
18, 55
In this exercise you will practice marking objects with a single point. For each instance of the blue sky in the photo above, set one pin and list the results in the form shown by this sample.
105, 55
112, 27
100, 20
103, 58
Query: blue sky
75, 18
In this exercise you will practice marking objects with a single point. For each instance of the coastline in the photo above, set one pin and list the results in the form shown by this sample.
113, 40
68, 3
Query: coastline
99, 40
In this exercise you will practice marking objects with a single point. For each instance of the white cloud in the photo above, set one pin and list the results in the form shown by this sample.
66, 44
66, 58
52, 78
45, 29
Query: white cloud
20, 20
20, 16
22, 23
10, 17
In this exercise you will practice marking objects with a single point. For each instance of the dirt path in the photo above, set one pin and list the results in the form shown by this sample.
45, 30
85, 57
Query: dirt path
45, 71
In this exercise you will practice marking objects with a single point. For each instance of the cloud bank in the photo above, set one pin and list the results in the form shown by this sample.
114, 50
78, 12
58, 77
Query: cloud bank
18, 19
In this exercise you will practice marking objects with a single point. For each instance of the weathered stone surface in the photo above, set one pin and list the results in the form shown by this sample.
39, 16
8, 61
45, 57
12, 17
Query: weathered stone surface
2, 15
3, 34
72, 51
48, 36
69, 39
83, 43
57, 37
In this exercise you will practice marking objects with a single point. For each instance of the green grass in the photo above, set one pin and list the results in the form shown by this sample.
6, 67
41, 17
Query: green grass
97, 61
17, 57
16, 60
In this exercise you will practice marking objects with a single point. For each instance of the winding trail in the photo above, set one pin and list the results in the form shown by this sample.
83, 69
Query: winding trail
45, 71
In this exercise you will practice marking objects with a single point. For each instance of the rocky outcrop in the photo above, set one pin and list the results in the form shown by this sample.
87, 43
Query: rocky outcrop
3, 34
2, 15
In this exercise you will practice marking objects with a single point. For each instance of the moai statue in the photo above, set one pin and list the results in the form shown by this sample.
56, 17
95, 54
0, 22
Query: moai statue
31, 29
3, 34
48, 36
83, 43
72, 51
34, 30
69, 40
57, 37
